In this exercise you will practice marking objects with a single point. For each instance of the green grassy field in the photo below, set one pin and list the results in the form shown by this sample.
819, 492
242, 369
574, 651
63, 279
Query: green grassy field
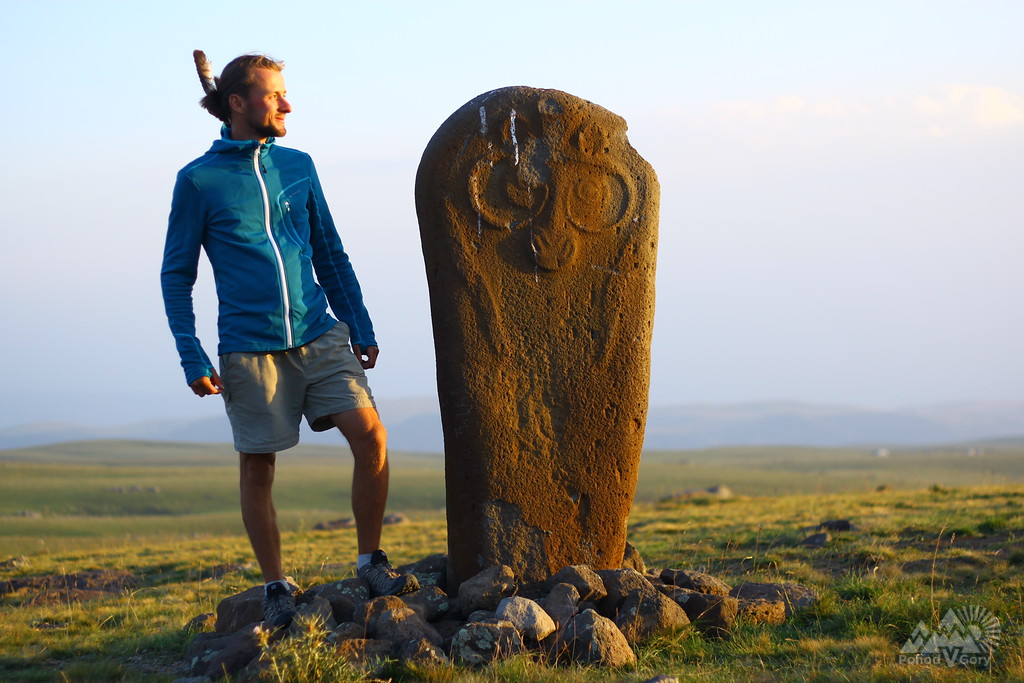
948, 531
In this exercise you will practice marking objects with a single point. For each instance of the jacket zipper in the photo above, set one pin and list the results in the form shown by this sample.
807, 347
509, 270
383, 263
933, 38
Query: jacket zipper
277, 249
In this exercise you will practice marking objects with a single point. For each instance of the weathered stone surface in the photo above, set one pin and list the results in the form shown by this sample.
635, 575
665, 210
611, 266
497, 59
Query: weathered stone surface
527, 616
589, 638
237, 650
354, 590
647, 612
619, 583
430, 571
562, 603
696, 581
586, 580
631, 559
401, 625
760, 611
422, 653
448, 628
346, 631
315, 611
201, 623
430, 602
713, 615
486, 589
343, 597
240, 610
794, 596
202, 649
479, 643
539, 228
369, 612
365, 651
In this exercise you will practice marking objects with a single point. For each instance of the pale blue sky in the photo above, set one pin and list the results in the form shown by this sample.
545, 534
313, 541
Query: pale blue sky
841, 182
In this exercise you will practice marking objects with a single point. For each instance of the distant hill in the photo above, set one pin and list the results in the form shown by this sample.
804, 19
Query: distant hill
415, 425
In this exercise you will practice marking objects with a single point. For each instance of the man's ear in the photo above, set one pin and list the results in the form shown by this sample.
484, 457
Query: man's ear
237, 103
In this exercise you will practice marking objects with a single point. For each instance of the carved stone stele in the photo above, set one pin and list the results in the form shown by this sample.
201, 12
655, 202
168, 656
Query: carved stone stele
539, 230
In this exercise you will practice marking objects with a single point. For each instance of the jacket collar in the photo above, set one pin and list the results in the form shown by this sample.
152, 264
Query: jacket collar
226, 144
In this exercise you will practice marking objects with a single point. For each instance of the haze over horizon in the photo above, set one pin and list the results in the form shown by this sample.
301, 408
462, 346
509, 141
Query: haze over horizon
841, 208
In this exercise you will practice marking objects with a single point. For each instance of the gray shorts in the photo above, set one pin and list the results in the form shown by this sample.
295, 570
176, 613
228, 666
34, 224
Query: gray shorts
266, 394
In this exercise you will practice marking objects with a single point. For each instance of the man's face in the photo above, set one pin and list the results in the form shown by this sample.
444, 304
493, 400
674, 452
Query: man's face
263, 109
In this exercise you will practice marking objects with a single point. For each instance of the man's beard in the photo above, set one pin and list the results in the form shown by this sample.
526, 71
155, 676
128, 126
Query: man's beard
271, 130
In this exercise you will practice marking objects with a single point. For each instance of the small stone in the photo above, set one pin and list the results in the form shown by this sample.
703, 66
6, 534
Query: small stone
238, 611
794, 596
365, 651
430, 602
428, 565
619, 583
368, 612
760, 611
816, 540
649, 612
202, 649
527, 617
395, 518
422, 653
632, 560
346, 631
585, 579
317, 611
589, 638
562, 603
486, 589
481, 643
239, 649
662, 678
482, 615
714, 615
697, 581
343, 597
838, 525
202, 622
402, 624
344, 523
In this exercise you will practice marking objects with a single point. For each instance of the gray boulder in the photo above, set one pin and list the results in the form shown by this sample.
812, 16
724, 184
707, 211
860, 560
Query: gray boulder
589, 638
532, 622
481, 643
486, 589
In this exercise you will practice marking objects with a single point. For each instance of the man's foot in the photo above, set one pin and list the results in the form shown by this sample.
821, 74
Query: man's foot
383, 579
278, 607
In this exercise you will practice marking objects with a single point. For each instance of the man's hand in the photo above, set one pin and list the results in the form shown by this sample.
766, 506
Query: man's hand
368, 357
204, 386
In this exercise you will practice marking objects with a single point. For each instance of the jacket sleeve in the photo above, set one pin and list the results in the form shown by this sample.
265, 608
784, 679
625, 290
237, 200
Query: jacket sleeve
334, 270
178, 275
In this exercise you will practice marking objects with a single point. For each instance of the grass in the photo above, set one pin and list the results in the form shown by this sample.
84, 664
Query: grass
947, 538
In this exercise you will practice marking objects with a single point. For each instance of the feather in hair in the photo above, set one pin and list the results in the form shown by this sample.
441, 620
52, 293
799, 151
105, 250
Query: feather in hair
205, 71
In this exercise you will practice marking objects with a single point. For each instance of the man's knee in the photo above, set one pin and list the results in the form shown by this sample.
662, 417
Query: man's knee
256, 469
362, 428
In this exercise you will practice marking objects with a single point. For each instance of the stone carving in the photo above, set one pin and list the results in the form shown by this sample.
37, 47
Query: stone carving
539, 230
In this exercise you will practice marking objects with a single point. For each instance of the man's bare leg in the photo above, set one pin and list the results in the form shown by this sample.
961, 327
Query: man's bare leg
368, 440
258, 513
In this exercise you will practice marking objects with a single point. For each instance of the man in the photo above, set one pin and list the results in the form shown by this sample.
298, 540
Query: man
259, 212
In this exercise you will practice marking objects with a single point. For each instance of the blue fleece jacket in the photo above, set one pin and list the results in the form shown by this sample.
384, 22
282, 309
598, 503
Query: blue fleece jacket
259, 212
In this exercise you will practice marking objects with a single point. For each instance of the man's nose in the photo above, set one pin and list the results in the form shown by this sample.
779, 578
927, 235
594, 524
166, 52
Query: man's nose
285, 106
